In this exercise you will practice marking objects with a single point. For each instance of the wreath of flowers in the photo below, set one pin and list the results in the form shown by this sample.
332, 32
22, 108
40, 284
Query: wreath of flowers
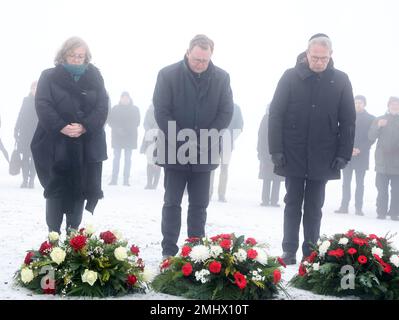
84, 265
221, 267
352, 263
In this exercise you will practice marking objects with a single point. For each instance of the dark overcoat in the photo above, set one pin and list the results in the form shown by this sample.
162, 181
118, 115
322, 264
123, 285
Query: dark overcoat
70, 167
192, 101
26, 125
312, 121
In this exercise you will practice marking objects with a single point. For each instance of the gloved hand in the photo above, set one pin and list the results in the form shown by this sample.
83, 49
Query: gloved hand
278, 159
339, 163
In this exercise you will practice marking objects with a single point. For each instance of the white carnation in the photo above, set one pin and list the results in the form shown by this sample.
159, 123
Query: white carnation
53, 236
343, 241
148, 275
199, 253
262, 255
215, 251
89, 276
120, 253
240, 255
26, 275
378, 251
316, 266
394, 259
57, 255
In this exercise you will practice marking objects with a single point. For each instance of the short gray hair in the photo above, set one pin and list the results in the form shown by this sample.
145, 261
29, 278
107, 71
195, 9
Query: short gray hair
323, 41
69, 45
202, 41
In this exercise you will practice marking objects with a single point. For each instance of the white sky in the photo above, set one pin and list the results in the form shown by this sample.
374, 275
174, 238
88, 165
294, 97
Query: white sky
255, 41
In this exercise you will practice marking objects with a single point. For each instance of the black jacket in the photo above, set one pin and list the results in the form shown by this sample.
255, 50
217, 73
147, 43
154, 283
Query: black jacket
362, 141
70, 167
194, 102
26, 125
124, 121
312, 121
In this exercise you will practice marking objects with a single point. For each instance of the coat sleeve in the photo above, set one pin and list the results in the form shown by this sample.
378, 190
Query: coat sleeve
262, 138
95, 120
346, 121
278, 108
49, 119
18, 123
374, 131
225, 109
364, 142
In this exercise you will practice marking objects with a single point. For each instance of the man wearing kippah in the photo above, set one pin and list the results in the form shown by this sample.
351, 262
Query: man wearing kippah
311, 136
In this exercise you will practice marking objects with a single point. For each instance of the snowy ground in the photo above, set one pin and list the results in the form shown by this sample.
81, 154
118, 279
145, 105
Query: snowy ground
136, 213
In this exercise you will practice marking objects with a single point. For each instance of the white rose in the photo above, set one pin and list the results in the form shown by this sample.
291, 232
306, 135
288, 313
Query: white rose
394, 259
89, 276
378, 251
89, 230
316, 266
324, 247
26, 275
57, 255
262, 255
120, 253
148, 275
343, 241
53, 236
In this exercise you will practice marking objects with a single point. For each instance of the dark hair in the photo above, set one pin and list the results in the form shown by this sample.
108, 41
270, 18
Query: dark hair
202, 41
361, 97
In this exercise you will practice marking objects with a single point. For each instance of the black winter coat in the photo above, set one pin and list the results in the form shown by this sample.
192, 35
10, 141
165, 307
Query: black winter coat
149, 123
70, 168
362, 141
312, 121
194, 102
26, 125
124, 121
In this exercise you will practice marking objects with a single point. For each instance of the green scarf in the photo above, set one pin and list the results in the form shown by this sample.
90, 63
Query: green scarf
76, 70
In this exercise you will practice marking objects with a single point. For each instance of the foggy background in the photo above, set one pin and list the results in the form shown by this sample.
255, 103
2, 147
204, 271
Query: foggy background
255, 41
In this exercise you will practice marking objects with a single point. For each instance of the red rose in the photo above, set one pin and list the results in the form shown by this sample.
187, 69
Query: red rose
192, 239
312, 256
45, 248
185, 251
108, 237
251, 241
225, 244
78, 242
225, 236
373, 236
281, 261
352, 251
135, 250
362, 259
165, 264
276, 276
360, 241
252, 254
302, 270
28, 257
350, 233
215, 267
187, 269
131, 279
215, 238
338, 253
240, 280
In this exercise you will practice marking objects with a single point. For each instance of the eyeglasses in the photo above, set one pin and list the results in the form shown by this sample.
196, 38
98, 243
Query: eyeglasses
198, 61
77, 56
321, 59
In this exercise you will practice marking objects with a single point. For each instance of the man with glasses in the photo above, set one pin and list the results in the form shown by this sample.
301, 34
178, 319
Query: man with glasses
189, 96
311, 136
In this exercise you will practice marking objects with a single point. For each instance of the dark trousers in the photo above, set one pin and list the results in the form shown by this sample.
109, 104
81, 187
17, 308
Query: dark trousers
382, 183
267, 197
55, 209
28, 168
128, 164
153, 174
346, 187
307, 193
198, 199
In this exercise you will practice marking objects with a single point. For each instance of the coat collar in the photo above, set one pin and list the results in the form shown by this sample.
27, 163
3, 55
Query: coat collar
302, 67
